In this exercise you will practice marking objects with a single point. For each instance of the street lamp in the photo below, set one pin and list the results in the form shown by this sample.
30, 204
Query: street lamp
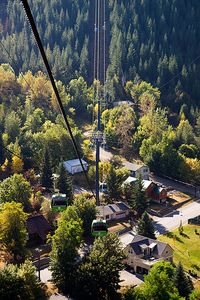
38, 251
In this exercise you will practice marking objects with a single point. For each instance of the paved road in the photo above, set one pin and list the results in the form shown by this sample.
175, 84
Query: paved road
173, 220
105, 155
184, 188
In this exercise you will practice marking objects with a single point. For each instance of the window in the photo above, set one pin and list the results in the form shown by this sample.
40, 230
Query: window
107, 217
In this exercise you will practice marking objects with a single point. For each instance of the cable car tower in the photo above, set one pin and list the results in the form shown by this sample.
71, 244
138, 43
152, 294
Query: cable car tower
99, 228
98, 136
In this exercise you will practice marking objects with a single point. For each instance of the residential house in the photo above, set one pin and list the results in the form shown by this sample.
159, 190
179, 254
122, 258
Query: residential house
137, 169
74, 166
154, 192
38, 228
142, 253
112, 212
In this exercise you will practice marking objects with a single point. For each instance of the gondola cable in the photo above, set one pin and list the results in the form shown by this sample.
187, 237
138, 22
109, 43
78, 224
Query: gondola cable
44, 57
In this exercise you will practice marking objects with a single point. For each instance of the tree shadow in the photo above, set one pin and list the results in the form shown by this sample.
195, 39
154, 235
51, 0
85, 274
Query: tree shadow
174, 236
185, 235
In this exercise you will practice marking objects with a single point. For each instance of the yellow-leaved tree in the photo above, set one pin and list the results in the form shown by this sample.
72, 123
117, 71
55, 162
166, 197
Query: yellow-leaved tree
17, 164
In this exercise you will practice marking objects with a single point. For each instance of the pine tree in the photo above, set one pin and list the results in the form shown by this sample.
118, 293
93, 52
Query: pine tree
113, 185
182, 282
145, 226
46, 172
138, 200
2, 154
64, 183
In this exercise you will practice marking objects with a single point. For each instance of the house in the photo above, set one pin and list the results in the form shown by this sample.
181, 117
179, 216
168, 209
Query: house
74, 166
38, 228
112, 212
142, 253
154, 192
158, 194
137, 169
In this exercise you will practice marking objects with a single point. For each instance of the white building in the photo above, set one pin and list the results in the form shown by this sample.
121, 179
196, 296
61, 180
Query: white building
73, 166
137, 169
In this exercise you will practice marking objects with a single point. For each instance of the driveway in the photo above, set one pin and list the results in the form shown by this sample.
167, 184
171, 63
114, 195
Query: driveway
173, 220
128, 279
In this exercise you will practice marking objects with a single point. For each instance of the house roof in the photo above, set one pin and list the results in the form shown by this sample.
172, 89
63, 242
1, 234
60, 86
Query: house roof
38, 225
133, 166
140, 242
113, 208
130, 179
146, 183
75, 162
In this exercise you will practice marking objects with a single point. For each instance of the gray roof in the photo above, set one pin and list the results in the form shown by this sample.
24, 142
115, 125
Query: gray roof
139, 241
133, 166
75, 162
113, 208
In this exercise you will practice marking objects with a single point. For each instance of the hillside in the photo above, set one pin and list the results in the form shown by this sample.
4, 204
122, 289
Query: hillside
156, 41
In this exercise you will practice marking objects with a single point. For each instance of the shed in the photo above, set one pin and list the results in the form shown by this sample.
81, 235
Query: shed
73, 166
38, 228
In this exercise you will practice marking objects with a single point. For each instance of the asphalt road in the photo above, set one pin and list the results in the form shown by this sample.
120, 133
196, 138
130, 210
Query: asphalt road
105, 155
172, 221
184, 188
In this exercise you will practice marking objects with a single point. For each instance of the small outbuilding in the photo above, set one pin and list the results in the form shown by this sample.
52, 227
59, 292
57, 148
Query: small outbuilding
73, 166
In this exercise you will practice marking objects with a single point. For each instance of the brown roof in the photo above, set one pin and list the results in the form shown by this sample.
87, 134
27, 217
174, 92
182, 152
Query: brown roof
38, 225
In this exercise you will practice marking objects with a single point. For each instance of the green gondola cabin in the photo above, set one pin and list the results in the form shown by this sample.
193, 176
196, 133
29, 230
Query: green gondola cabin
99, 228
58, 202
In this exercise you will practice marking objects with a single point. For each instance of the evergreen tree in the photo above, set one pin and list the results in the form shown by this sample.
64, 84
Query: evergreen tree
2, 152
46, 172
182, 282
113, 185
64, 183
145, 226
138, 200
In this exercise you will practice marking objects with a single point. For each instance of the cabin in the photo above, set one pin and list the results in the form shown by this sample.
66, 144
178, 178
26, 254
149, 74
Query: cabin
113, 212
73, 166
142, 253
38, 228
137, 170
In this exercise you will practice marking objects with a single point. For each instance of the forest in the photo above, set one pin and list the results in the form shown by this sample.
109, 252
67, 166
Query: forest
145, 41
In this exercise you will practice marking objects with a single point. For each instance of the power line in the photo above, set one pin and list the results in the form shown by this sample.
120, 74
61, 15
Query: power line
44, 57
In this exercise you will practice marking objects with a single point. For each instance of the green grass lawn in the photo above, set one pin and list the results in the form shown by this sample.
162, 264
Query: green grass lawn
186, 247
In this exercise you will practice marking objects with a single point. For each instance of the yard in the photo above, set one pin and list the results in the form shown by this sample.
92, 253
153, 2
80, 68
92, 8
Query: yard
186, 247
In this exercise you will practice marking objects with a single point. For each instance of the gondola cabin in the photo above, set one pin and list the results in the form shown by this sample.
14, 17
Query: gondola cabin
58, 202
99, 228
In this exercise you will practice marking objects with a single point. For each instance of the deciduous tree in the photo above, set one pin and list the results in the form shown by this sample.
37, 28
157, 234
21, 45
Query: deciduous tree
13, 231
98, 275
16, 188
